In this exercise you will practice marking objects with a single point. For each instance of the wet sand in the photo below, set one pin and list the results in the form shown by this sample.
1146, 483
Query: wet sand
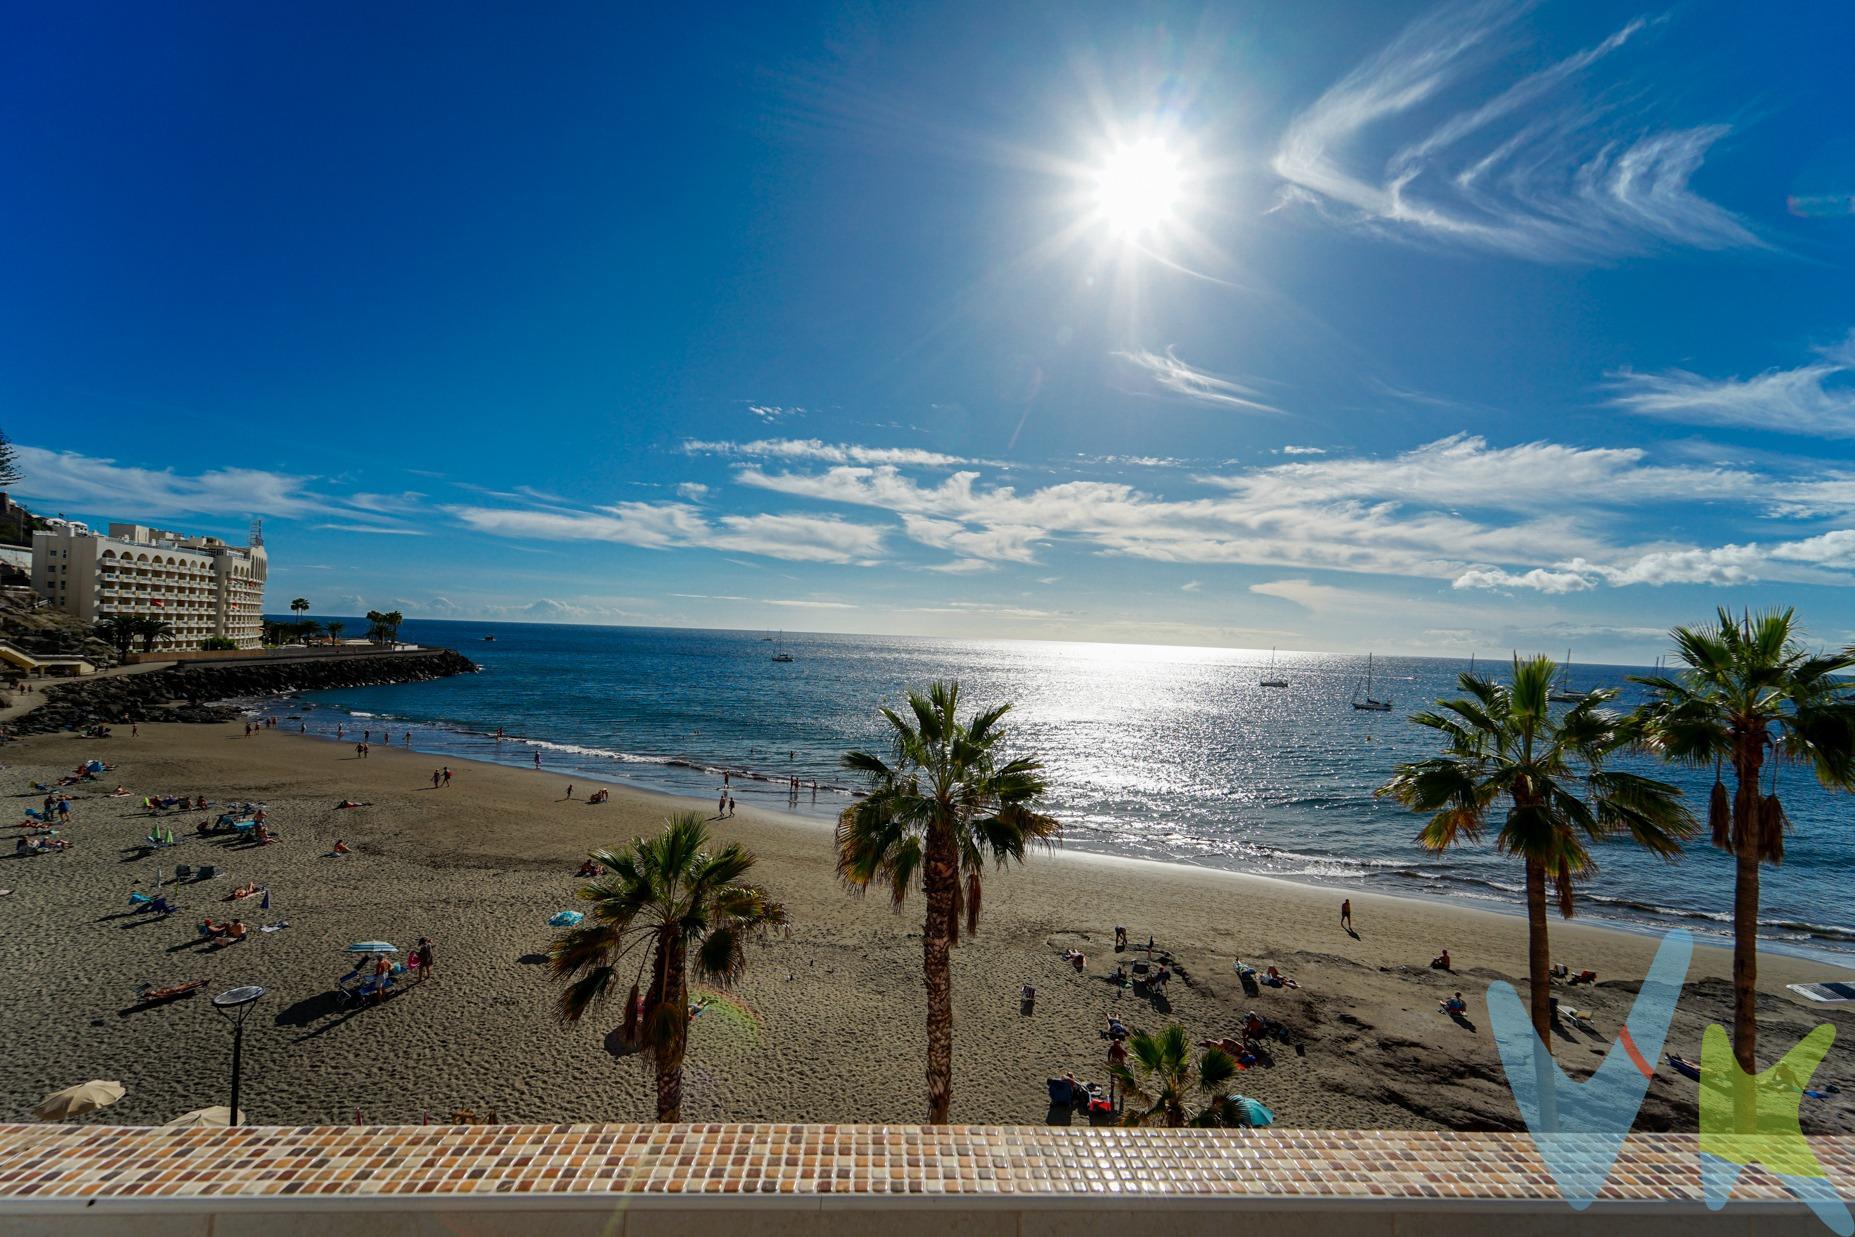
826, 1026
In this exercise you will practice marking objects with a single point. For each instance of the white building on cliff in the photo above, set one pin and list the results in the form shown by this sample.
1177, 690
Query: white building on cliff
199, 586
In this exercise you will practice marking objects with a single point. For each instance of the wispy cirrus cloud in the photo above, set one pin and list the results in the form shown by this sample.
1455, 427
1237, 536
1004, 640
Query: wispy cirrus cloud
1172, 374
817, 450
663, 526
1522, 168
1814, 398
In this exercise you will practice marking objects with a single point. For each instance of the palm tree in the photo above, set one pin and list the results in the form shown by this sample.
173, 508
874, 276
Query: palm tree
1502, 743
335, 628
1751, 693
117, 632
300, 606
666, 903
152, 629
941, 802
1161, 1085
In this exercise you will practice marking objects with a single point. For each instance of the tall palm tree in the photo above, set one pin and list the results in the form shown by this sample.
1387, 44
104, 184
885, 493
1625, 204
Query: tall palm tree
300, 606
335, 628
1751, 695
151, 629
942, 801
667, 903
116, 631
1162, 1085
1501, 743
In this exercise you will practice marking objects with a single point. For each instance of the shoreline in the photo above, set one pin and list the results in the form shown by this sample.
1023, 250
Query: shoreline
1652, 925
825, 1025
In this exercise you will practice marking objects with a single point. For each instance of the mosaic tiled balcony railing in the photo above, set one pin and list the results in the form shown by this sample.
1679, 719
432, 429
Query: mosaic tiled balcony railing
44, 1165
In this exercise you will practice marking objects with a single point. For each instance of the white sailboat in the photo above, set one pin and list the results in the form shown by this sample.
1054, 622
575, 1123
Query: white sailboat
1271, 679
1561, 690
780, 653
1363, 699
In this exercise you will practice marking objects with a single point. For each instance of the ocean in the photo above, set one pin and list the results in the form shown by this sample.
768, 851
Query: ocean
1153, 752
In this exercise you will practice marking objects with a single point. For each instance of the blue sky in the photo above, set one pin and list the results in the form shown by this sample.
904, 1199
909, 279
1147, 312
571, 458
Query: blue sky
1412, 327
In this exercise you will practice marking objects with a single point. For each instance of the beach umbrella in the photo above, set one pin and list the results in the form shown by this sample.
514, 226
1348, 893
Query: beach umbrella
219, 1114
565, 919
372, 947
76, 1101
1254, 1113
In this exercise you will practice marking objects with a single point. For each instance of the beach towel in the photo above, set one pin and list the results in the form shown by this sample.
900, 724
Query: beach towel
565, 919
275, 927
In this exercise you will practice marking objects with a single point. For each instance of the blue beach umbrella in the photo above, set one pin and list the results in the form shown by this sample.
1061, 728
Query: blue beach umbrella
1254, 1113
565, 919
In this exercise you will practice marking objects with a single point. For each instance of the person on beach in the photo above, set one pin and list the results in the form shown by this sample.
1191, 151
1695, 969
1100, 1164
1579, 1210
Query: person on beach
1120, 938
1441, 962
447, 775
134, 729
721, 803
569, 790
341, 847
537, 754
408, 739
434, 779
730, 805
423, 952
367, 736
1346, 914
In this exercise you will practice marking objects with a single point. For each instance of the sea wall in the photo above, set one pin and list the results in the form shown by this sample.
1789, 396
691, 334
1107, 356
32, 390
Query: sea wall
189, 693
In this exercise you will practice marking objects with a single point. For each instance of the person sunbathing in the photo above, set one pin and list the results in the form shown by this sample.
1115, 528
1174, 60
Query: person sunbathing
589, 868
351, 803
341, 848
600, 796
119, 792
212, 929
1230, 1047
1455, 1006
235, 931
1275, 979
246, 890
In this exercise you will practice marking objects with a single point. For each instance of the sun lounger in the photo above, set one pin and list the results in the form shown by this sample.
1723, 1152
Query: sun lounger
1833, 993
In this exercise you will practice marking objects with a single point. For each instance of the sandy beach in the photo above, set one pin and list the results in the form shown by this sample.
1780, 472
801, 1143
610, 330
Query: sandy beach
826, 1026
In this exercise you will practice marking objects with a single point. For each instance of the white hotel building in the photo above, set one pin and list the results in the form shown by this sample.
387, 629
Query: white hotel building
199, 586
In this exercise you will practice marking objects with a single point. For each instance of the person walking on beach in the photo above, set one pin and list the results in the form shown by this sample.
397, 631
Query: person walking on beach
721, 803
569, 790
537, 754
447, 775
1346, 914
408, 739
730, 805
423, 952
435, 779
134, 729
360, 751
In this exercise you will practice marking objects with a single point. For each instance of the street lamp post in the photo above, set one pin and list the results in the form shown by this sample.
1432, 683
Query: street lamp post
236, 1005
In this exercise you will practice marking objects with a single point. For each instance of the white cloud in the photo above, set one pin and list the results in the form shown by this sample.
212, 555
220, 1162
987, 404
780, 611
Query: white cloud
692, 490
1807, 399
1309, 595
774, 412
1537, 580
801, 604
103, 485
962, 567
1002, 543
1176, 376
797, 538
1191, 586
817, 450
1304, 450
1531, 170
373, 528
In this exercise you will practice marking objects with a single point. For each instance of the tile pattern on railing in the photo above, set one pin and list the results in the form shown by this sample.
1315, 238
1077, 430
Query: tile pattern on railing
48, 1163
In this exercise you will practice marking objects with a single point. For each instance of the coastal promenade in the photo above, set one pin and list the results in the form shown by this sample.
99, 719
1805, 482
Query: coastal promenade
977, 1181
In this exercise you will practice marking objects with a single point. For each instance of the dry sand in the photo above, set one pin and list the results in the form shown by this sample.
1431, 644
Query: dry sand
826, 1025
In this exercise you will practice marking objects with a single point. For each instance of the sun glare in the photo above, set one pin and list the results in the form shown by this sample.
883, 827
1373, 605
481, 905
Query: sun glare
1138, 188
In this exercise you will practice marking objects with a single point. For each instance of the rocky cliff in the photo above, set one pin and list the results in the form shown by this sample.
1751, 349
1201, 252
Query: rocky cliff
190, 693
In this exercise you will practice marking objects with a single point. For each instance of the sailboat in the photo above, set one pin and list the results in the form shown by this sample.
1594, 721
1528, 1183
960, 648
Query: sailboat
1561, 690
1270, 679
781, 654
1367, 703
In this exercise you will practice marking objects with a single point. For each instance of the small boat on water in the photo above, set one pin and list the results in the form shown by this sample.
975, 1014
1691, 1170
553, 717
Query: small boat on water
1363, 699
489, 637
1271, 678
780, 654
1561, 690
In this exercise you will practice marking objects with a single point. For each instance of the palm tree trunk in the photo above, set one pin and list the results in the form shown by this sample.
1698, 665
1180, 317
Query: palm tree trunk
1539, 993
940, 881
670, 1043
1746, 764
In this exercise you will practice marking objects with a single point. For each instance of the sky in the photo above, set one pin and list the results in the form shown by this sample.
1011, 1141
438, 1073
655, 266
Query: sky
1404, 327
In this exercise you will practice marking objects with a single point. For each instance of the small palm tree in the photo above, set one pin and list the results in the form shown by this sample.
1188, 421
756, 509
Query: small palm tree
1751, 695
1501, 743
1162, 1085
150, 630
665, 904
943, 801
118, 633
335, 628
300, 606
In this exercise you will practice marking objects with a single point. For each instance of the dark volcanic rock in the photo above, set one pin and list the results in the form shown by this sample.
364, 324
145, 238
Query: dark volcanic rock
192, 692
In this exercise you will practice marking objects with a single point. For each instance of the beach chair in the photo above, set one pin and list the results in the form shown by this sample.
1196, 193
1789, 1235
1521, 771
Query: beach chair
182, 872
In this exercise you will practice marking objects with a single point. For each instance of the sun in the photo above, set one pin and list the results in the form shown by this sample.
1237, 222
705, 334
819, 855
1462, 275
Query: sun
1139, 188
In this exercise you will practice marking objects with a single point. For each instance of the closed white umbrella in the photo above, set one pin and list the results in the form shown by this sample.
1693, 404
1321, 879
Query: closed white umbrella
219, 1114
78, 1100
